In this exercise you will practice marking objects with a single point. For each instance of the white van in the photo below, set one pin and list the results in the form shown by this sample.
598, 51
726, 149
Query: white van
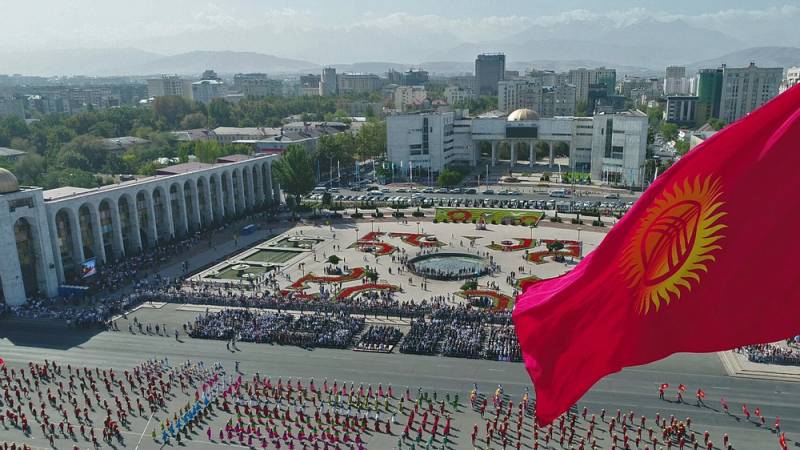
560, 193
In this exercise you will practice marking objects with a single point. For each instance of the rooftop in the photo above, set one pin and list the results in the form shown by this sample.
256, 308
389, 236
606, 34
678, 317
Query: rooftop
65, 191
10, 152
182, 168
123, 142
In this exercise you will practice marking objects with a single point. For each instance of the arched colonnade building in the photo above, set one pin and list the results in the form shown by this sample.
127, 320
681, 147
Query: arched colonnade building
47, 235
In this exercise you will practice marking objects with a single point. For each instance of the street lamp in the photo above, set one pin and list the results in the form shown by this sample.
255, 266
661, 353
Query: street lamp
417, 227
531, 227
372, 225
580, 244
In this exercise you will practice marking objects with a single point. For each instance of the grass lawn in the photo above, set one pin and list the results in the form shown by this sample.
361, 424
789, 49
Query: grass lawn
490, 215
272, 256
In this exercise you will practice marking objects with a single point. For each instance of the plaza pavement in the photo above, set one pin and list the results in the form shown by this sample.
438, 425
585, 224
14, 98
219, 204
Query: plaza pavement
632, 389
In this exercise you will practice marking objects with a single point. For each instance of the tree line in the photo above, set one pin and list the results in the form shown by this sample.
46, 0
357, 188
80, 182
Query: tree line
68, 149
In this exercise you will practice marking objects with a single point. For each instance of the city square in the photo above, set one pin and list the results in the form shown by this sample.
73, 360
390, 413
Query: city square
517, 225
302, 270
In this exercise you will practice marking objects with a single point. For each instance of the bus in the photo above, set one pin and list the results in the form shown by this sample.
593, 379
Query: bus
560, 193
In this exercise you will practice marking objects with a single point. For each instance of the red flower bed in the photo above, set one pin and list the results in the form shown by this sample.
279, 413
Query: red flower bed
522, 244
415, 239
382, 248
571, 248
526, 282
500, 302
459, 215
353, 290
300, 285
372, 236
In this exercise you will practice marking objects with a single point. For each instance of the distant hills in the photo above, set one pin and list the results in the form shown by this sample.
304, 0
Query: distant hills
130, 61
558, 55
763, 57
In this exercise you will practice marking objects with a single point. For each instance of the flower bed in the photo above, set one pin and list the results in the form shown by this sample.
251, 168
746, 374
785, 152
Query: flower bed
356, 273
522, 244
417, 240
526, 282
490, 215
500, 302
378, 248
571, 248
353, 290
372, 236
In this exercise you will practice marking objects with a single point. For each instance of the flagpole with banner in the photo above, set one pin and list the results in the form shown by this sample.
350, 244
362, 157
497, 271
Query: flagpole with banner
692, 267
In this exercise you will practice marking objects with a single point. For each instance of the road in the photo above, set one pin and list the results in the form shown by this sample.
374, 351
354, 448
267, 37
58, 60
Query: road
632, 389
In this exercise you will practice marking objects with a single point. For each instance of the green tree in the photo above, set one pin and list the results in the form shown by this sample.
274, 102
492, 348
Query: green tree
327, 200
73, 160
220, 114
29, 169
333, 259
294, 172
90, 148
717, 123
371, 140
170, 110
194, 120
449, 178
669, 131
332, 150
681, 147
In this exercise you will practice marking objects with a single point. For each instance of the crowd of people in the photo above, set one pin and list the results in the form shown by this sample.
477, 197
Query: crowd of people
307, 331
379, 338
197, 403
772, 354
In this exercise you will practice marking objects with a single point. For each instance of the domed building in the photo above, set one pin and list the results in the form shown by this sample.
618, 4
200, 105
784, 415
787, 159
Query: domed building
522, 114
8, 182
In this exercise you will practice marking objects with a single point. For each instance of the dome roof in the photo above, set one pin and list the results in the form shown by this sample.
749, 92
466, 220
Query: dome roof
8, 182
523, 114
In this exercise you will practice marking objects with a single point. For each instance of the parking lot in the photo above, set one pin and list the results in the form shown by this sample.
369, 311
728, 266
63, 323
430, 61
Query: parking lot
525, 198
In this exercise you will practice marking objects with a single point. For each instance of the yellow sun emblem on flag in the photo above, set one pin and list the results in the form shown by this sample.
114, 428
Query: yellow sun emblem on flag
674, 243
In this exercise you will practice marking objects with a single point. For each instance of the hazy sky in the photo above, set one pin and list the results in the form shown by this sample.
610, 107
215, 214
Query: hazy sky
37, 24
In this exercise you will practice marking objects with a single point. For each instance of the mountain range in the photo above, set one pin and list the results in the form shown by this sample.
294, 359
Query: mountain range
641, 47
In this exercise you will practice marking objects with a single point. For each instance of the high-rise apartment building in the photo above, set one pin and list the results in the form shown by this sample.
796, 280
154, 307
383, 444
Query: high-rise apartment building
328, 84
490, 68
257, 85
709, 94
792, 78
582, 79
357, 83
745, 89
675, 81
531, 93
169, 85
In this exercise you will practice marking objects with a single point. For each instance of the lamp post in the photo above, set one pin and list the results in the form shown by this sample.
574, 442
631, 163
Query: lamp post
580, 244
356, 230
531, 227
372, 225
417, 227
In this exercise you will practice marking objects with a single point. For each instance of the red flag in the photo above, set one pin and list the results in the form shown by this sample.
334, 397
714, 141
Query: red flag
664, 386
682, 387
758, 412
701, 393
683, 271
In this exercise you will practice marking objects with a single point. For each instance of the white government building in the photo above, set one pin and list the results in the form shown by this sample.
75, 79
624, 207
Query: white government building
610, 147
46, 236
